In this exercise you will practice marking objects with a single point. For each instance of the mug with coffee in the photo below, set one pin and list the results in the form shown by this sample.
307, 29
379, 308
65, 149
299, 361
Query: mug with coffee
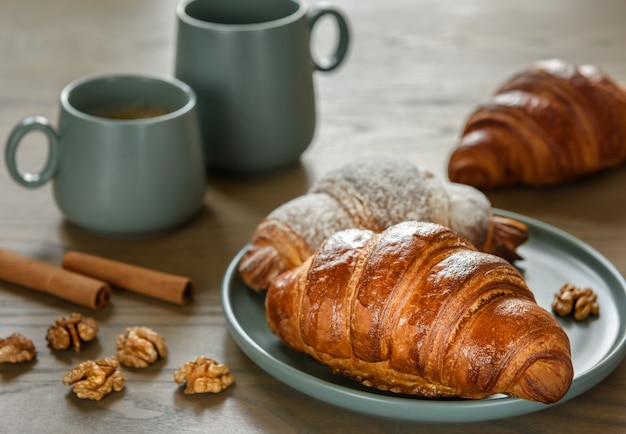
126, 159
251, 65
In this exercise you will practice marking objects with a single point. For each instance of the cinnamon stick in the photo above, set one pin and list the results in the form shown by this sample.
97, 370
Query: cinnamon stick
164, 286
44, 277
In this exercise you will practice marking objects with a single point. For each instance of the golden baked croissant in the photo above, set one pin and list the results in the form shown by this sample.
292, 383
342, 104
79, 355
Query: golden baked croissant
417, 310
547, 125
372, 193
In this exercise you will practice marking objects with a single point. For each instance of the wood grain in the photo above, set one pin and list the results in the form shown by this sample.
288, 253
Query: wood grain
415, 70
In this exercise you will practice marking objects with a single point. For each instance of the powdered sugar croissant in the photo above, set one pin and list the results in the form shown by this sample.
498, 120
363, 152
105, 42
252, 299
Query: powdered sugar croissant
417, 310
549, 124
372, 193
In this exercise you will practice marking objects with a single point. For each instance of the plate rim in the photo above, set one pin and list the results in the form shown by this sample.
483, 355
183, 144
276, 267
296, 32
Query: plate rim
397, 407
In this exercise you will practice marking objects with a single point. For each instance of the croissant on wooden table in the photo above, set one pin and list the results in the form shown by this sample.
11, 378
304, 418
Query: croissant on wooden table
547, 125
417, 310
372, 193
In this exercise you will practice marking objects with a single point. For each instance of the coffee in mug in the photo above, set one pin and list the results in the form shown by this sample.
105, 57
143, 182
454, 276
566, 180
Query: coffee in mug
129, 112
126, 158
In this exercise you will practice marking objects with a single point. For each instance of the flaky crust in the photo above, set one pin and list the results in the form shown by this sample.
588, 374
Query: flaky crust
371, 193
417, 310
549, 124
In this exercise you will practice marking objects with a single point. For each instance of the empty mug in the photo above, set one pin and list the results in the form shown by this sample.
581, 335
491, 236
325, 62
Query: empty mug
251, 65
126, 158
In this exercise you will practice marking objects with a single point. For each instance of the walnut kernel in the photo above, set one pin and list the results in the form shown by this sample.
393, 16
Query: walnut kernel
139, 347
16, 349
204, 375
577, 301
93, 380
71, 331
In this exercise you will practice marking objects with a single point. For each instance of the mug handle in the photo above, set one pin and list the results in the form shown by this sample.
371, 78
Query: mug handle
334, 60
28, 125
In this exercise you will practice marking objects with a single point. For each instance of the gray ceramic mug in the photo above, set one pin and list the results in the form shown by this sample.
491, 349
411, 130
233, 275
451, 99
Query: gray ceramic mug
251, 65
126, 159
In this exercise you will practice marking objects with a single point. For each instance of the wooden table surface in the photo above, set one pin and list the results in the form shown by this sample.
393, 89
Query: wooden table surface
415, 70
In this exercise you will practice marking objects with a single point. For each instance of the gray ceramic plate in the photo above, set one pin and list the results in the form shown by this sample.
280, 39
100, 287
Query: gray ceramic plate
552, 258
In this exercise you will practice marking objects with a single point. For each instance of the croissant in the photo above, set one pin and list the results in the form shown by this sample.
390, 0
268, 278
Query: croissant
372, 193
417, 310
548, 125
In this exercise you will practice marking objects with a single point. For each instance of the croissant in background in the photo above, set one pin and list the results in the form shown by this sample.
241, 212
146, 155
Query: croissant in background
550, 124
372, 193
417, 310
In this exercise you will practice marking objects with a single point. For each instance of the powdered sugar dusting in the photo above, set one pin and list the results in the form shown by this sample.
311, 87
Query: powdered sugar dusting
470, 213
375, 193
314, 217
391, 188
437, 199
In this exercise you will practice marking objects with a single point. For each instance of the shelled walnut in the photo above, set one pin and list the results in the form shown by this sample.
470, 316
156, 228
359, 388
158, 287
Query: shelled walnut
93, 380
204, 375
16, 349
71, 331
139, 347
572, 299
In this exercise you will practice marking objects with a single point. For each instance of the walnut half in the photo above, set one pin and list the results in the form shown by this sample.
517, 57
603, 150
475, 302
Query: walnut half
16, 349
204, 375
71, 331
139, 347
577, 301
93, 380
